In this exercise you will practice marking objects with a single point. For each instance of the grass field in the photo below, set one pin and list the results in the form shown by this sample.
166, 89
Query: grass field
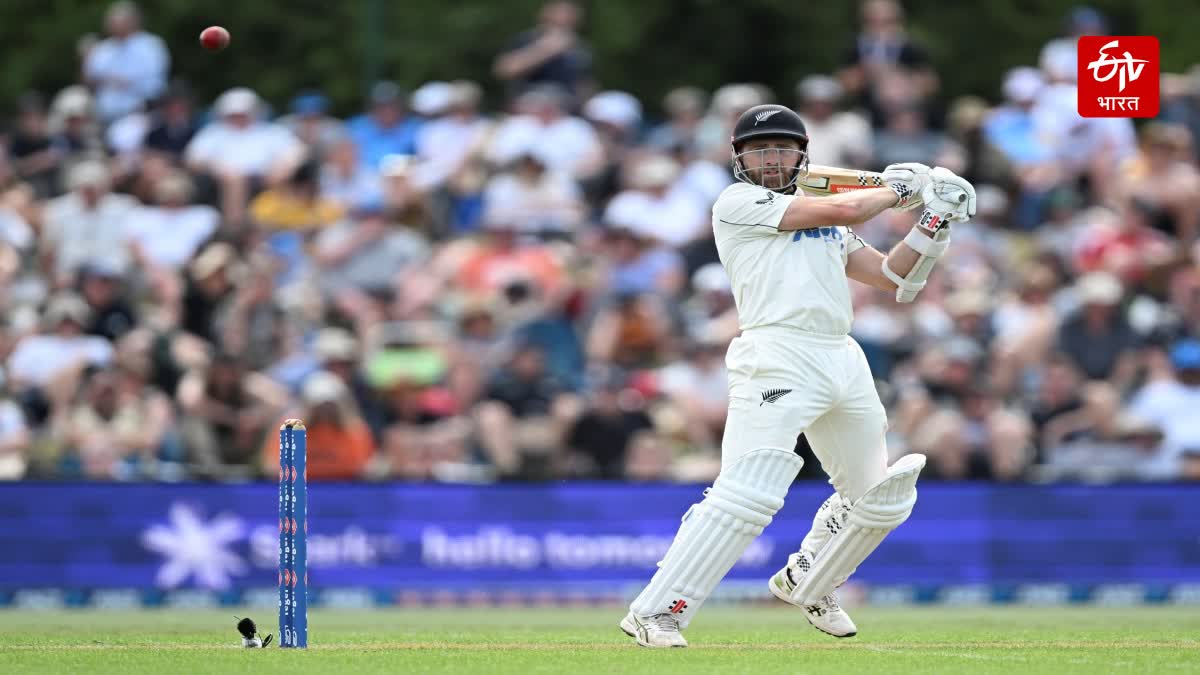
586, 640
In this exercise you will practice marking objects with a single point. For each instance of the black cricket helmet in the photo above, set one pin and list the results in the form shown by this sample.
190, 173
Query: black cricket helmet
771, 121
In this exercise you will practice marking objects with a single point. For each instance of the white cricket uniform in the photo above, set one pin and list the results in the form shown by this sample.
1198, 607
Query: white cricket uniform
795, 369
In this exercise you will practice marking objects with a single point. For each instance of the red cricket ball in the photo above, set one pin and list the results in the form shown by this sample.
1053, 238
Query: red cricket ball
214, 38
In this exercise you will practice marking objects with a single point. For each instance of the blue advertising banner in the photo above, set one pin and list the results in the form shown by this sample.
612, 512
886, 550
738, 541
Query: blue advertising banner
398, 538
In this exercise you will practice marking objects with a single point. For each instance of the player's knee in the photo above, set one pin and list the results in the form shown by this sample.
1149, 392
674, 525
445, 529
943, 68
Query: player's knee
752, 487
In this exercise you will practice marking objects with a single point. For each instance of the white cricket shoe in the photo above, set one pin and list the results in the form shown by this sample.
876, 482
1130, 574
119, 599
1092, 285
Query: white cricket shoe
827, 615
660, 630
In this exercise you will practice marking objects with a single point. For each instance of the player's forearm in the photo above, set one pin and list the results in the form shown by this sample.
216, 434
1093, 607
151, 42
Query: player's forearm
901, 258
847, 208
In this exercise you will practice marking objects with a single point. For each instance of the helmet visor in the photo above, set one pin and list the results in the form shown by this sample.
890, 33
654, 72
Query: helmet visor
773, 168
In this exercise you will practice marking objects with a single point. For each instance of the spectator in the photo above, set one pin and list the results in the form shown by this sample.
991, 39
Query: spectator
906, 138
339, 442
697, 385
117, 428
15, 435
534, 198
551, 53
600, 438
1099, 337
685, 108
1171, 403
347, 181
129, 68
209, 281
500, 256
447, 145
631, 332
174, 123
227, 413
36, 158
241, 152
637, 264
521, 421
295, 204
310, 122
61, 348
386, 128
565, 142
73, 126
101, 287
165, 236
365, 255
883, 51
87, 224
650, 207
1011, 127
1163, 177
837, 138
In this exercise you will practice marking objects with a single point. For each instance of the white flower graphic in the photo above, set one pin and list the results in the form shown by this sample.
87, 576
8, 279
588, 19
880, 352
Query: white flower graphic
193, 547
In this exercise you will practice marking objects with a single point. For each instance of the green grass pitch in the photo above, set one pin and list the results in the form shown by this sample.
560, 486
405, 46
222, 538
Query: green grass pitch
579, 640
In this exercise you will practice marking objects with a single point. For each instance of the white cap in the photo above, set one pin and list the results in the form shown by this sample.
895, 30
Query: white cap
1021, 85
617, 108
433, 98
653, 172
335, 344
1059, 60
236, 101
735, 99
89, 172
322, 387
819, 88
74, 101
1099, 288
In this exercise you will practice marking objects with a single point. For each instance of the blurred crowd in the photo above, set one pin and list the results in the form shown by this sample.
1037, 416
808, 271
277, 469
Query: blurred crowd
444, 290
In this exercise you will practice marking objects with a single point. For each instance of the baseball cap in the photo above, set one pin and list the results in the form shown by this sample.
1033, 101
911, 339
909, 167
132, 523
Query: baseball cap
386, 91
335, 344
322, 387
1099, 288
67, 306
1021, 85
617, 108
819, 88
236, 101
89, 172
433, 98
310, 103
1185, 355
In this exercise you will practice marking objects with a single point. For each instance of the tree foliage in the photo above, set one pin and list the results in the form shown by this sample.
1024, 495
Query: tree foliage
647, 47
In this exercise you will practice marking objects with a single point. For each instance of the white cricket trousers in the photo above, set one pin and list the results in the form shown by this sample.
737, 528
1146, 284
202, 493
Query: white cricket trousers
784, 382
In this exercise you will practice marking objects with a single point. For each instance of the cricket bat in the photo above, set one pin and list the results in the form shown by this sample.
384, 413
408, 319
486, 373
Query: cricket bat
831, 180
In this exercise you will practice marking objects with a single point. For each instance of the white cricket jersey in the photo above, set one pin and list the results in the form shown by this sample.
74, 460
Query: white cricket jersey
794, 279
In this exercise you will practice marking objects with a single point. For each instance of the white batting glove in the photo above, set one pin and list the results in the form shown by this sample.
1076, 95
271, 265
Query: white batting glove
908, 180
950, 196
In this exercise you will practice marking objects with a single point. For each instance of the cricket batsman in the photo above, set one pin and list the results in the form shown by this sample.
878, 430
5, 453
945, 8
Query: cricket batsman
795, 369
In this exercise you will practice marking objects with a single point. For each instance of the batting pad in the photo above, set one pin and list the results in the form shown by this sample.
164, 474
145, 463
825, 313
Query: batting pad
882, 509
716, 531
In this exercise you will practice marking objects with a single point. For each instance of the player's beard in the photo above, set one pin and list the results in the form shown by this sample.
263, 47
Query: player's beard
781, 174
775, 177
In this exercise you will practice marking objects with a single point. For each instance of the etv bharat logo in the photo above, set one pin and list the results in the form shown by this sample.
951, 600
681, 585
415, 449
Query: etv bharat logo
1118, 76
1131, 68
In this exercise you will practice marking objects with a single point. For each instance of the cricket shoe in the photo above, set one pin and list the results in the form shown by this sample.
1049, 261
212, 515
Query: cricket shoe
660, 630
827, 615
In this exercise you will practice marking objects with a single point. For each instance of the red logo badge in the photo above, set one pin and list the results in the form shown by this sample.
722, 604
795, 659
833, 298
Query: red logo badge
1118, 76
